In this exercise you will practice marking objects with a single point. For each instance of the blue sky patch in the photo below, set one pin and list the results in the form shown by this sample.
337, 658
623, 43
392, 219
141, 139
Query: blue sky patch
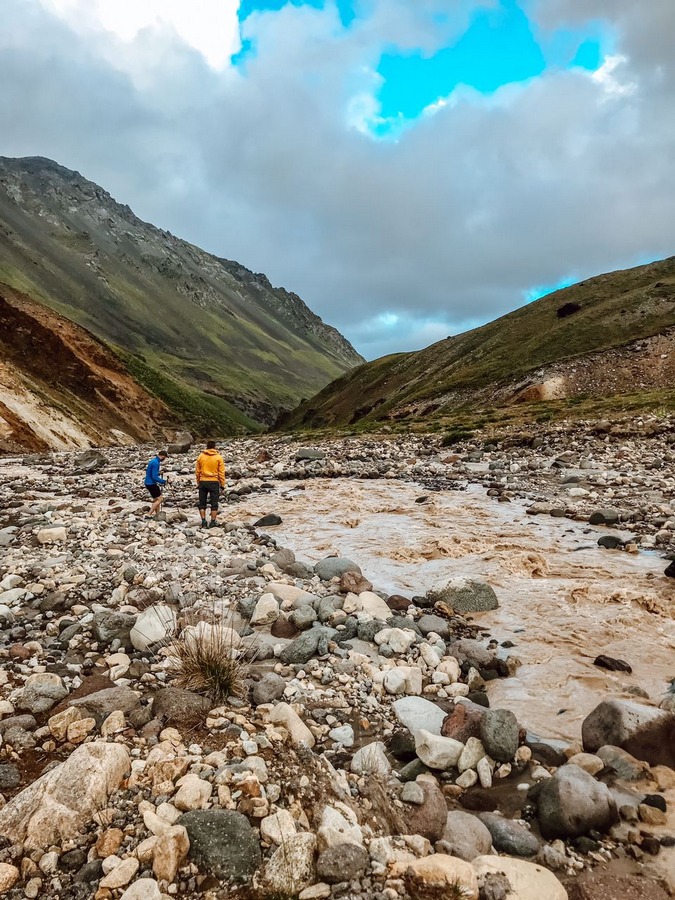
499, 47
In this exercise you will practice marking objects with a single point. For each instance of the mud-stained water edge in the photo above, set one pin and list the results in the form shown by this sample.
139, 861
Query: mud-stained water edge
563, 600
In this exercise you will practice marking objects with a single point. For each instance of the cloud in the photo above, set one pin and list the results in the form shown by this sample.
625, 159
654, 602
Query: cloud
451, 222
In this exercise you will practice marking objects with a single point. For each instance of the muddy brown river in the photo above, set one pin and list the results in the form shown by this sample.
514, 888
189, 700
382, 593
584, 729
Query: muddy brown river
563, 600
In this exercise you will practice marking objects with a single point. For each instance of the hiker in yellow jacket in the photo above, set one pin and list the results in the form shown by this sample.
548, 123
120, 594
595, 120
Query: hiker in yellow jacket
210, 472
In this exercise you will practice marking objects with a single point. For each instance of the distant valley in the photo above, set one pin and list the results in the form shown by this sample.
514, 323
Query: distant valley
210, 340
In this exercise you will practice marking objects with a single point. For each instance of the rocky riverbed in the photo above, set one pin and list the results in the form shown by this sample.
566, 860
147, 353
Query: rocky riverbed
443, 684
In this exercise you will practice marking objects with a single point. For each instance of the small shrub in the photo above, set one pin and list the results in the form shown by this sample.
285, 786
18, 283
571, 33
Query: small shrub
456, 436
206, 659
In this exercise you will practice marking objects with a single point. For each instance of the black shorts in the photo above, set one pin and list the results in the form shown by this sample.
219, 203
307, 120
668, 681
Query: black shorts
209, 491
155, 490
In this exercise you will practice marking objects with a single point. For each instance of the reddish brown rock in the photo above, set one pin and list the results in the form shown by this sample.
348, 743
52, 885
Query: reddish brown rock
463, 722
354, 583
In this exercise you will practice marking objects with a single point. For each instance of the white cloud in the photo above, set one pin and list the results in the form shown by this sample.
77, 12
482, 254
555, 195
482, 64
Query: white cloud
208, 26
452, 223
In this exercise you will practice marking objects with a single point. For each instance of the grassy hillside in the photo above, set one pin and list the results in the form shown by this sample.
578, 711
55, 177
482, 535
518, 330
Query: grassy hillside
458, 372
220, 332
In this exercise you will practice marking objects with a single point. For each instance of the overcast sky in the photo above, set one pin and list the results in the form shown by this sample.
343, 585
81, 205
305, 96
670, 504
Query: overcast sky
411, 168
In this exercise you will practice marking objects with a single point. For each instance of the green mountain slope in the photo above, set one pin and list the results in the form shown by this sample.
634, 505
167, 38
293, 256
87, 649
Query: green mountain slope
186, 321
489, 365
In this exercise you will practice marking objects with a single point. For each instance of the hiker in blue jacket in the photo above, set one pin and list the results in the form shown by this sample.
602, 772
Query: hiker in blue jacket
154, 482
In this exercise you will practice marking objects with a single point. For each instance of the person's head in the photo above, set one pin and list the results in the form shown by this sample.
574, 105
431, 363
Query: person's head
210, 445
162, 455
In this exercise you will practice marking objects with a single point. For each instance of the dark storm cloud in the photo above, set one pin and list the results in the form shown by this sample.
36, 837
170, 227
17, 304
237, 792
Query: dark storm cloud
396, 243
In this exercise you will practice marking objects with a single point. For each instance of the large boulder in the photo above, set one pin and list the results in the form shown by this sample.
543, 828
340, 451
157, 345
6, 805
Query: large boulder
153, 626
313, 642
499, 731
509, 836
466, 595
528, 881
292, 867
222, 843
416, 713
465, 836
335, 567
645, 732
40, 693
90, 461
429, 817
64, 801
572, 803
181, 443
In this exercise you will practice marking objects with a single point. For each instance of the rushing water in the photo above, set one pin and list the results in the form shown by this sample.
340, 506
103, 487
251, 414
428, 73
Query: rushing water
563, 600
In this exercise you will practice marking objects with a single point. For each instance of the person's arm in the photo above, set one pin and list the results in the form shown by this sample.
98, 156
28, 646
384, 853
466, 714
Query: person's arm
158, 477
221, 472
198, 469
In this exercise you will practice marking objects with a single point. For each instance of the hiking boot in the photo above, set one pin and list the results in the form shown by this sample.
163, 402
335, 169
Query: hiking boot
205, 524
213, 524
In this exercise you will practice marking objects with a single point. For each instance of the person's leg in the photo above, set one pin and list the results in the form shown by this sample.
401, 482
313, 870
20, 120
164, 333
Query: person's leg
215, 493
203, 494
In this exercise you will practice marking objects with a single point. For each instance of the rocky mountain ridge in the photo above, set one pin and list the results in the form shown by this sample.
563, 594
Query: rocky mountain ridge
609, 336
178, 311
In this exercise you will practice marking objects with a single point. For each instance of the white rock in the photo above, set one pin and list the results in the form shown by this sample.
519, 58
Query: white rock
143, 889
375, 606
371, 760
283, 714
449, 666
289, 594
484, 770
193, 793
61, 803
266, 610
278, 828
395, 681
430, 656
51, 535
467, 779
336, 828
121, 875
344, 734
154, 624
10, 581
472, 753
291, 868
399, 639
9, 598
437, 752
528, 880
416, 714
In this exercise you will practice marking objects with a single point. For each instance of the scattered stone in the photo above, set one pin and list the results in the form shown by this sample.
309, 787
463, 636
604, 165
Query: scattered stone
614, 665
572, 803
509, 836
643, 731
466, 595
528, 881
222, 843
342, 862
499, 731
465, 836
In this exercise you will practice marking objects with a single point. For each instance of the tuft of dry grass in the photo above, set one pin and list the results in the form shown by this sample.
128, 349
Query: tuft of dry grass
206, 659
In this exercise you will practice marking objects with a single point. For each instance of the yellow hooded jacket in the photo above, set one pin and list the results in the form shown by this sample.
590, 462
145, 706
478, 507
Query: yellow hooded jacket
210, 467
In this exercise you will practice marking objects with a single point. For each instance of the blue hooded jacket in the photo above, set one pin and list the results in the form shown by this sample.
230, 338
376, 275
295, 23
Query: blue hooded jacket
152, 472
